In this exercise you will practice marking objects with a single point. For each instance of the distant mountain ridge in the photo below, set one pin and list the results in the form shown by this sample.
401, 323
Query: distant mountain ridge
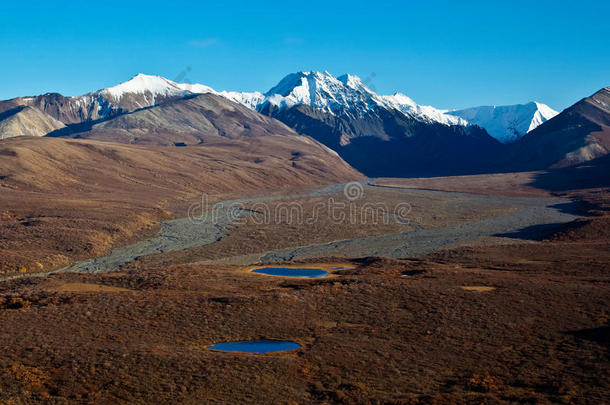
190, 121
578, 134
319, 90
378, 135
346, 94
507, 123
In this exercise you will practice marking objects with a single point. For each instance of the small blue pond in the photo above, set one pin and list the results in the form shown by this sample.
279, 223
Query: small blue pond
291, 272
256, 346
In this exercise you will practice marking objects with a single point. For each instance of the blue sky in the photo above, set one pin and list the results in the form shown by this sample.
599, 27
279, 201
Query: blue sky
448, 54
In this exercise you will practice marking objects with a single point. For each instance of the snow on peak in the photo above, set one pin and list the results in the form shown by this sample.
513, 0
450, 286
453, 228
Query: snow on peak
400, 99
155, 85
346, 94
251, 100
196, 88
543, 113
323, 91
507, 123
353, 82
142, 84
144, 91
427, 113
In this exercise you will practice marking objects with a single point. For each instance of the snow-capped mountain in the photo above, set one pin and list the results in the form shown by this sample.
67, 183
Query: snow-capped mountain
381, 135
146, 90
578, 134
323, 92
342, 113
345, 115
507, 123
407, 106
346, 94
155, 86
143, 84
141, 91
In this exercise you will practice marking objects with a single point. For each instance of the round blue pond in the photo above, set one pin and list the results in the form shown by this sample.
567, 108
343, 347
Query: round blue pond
291, 272
256, 346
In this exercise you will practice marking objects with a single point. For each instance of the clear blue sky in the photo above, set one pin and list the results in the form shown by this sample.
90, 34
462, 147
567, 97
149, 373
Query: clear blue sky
450, 54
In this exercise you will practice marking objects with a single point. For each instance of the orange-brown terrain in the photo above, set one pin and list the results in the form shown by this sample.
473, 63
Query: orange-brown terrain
484, 288
217, 209
525, 321
63, 200
509, 184
398, 331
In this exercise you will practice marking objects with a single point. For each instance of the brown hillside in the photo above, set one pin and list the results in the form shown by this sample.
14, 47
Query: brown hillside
67, 199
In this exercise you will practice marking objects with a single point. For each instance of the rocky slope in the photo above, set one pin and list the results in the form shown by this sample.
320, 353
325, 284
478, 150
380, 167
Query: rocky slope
387, 143
141, 91
187, 121
373, 133
579, 134
27, 121
68, 199
379, 135
346, 94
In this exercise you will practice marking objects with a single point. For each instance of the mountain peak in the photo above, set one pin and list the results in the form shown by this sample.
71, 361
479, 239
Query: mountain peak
600, 100
509, 122
142, 83
145, 76
344, 94
321, 90
352, 81
545, 110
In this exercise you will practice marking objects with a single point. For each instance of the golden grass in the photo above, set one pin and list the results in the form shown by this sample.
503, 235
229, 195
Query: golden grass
86, 287
477, 288
505, 184
87, 197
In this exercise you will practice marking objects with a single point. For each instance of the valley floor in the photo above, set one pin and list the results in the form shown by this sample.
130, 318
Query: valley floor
517, 313
403, 331
432, 220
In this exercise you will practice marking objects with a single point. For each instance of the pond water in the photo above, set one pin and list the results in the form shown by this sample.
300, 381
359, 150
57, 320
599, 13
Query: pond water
291, 272
256, 346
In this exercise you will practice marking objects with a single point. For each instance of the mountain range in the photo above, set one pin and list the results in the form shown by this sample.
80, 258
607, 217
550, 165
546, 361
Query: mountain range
380, 135
580, 133
347, 94
507, 123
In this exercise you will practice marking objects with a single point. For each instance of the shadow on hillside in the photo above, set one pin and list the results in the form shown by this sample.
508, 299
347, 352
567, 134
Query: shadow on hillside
73, 130
592, 174
535, 232
12, 111
600, 335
